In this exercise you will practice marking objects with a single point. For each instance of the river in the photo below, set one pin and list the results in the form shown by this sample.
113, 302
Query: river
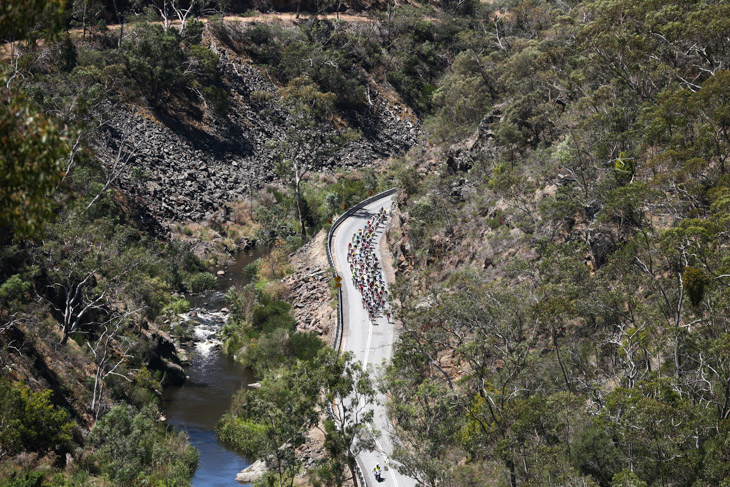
197, 405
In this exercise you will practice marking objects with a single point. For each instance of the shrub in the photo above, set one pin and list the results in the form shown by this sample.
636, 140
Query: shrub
155, 293
155, 61
244, 435
624, 169
25, 479
200, 281
268, 352
131, 447
241, 301
272, 314
252, 269
145, 390
13, 289
177, 307
694, 281
30, 422
305, 345
217, 98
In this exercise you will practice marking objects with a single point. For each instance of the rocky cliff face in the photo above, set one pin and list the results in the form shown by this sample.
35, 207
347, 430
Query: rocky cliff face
309, 291
189, 171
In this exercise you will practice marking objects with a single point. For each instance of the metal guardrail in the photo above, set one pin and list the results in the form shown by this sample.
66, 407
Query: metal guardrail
337, 341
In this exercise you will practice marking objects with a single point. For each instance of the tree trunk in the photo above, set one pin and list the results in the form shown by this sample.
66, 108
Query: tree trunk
560, 359
83, 19
351, 463
512, 475
298, 191
677, 359
121, 31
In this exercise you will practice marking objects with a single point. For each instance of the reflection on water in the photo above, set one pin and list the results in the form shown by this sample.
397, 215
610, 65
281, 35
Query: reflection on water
234, 270
197, 405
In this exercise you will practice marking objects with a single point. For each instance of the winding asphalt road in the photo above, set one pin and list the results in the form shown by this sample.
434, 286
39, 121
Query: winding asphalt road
370, 341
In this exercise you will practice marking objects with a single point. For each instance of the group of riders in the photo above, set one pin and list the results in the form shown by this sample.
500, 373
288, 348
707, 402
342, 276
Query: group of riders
366, 272
367, 275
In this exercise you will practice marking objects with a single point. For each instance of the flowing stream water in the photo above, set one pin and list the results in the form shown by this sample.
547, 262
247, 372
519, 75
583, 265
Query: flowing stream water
197, 405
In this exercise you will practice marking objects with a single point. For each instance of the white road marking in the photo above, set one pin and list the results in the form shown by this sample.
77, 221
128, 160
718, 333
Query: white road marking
367, 349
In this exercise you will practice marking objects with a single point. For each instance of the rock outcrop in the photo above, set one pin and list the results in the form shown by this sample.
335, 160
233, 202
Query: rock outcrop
162, 356
252, 473
309, 291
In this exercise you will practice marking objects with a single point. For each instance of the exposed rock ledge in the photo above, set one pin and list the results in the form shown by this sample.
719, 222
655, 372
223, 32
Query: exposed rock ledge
251, 473
309, 291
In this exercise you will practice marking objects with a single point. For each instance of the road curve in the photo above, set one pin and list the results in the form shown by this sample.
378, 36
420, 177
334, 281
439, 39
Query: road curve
370, 342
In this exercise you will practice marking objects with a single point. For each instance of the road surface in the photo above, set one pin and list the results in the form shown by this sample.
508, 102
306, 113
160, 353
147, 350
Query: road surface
371, 342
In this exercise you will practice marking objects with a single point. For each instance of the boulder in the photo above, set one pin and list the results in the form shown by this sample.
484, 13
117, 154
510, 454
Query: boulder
602, 245
251, 473
162, 356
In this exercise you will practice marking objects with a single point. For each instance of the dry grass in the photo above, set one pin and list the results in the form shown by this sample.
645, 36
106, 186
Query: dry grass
242, 213
275, 265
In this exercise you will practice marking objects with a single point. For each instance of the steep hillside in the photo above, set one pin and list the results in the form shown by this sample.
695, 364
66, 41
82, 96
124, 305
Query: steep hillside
562, 247
193, 165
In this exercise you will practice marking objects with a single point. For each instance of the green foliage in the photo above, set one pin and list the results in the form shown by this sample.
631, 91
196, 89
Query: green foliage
132, 448
624, 169
178, 306
305, 346
217, 97
30, 421
626, 478
717, 457
322, 52
29, 20
193, 34
694, 282
13, 289
246, 436
147, 390
418, 58
33, 148
260, 331
272, 314
27, 479
155, 61
154, 292
180, 262
241, 302
200, 281
271, 422
265, 352
462, 98
307, 100
566, 356
595, 454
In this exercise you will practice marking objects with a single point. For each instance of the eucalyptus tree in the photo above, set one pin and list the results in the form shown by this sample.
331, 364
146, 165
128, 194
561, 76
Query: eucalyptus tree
308, 144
